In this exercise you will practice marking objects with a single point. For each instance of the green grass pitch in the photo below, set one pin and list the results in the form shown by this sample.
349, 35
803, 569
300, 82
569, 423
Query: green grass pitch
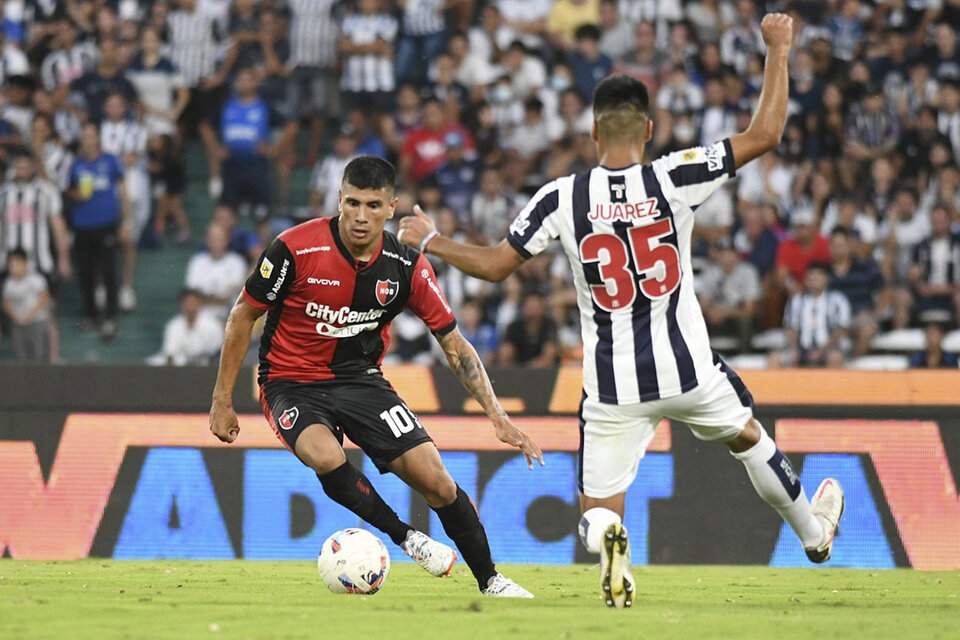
245, 599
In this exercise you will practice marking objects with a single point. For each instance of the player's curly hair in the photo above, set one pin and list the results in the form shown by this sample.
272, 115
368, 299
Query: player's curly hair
370, 172
621, 108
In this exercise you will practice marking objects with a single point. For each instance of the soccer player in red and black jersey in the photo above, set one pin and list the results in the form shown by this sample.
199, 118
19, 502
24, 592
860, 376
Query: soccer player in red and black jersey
330, 288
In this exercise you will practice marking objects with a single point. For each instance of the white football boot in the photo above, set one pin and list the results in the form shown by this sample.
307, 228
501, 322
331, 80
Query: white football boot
616, 582
827, 507
501, 586
435, 557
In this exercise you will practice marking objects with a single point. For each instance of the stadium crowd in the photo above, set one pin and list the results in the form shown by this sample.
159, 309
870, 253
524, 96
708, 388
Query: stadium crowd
848, 229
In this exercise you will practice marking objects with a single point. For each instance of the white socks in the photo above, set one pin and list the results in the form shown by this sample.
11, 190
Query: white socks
593, 523
775, 481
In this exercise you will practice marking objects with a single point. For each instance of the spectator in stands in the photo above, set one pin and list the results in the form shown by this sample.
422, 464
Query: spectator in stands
26, 301
68, 58
99, 216
328, 174
423, 149
944, 56
933, 356
192, 337
531, 339
312, 88
743, 39
203, 52
567, 17
589, 65
217, 273
125, 138
445, 87
935, 272
366, 55
903, 228
17, 111
527, 72
168, 175
242, 241
616, 35
860, 281
803, 247
948, 120
479, 333
469, 70
246, 147
159, 84
728, 291
424, 37
527, 19
647, 63
816, 323
492, 208
95, 86
490, 37
51, 155
873, 130
368, 141
457, 176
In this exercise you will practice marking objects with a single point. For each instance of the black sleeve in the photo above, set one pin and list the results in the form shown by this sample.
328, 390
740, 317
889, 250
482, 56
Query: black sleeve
271, 279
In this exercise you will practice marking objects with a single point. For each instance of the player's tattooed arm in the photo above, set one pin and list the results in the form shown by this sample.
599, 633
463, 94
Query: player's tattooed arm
469, 369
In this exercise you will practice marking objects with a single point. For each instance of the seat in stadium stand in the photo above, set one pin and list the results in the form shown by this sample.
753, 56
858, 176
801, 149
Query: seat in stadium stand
899, 340
723, 343
769, 340
748, 361
884, 362
951, 342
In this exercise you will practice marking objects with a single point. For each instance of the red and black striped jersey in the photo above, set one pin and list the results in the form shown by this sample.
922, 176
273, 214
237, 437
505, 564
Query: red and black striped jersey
328, 314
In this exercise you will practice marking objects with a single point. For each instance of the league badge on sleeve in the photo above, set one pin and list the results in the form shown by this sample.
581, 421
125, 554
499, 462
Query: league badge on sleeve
266, 267
386, 291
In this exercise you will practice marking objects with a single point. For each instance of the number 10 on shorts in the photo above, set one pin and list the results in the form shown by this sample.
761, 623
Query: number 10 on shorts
400, 420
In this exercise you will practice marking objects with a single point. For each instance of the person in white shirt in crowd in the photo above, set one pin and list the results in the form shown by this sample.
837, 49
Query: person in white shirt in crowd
493, 207
616, 35
13, 62
527, 18
728, 289
743, 40
26, 301
527, 72
719, 119
817, 325
192, 337
217, 274
491, 36
160, 86
126, 138
328, 174
470, 70
903, 228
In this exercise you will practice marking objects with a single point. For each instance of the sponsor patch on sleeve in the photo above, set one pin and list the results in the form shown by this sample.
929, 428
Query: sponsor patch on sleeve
715, 155
690, 155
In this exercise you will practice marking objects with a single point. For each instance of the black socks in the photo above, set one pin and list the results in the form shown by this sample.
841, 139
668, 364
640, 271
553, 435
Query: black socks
347, 486
462, 524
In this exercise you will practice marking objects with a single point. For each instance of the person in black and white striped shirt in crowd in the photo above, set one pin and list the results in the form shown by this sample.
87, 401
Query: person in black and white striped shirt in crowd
816, 323
69, 59
126, 139
935, 272
312, 85
424, 37
52, 157
31, 218
197, 43
366, 50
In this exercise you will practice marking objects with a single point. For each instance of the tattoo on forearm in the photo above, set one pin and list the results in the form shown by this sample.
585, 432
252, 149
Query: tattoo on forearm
469, 370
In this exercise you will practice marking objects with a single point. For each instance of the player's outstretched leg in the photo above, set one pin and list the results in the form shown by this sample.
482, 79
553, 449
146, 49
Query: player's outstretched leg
422, 469
775, 481
601, 531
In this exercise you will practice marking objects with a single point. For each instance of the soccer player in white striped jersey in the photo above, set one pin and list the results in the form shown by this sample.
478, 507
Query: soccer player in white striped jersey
626, 228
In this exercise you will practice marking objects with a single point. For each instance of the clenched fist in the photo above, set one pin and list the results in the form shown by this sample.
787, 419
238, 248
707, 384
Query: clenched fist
777, 30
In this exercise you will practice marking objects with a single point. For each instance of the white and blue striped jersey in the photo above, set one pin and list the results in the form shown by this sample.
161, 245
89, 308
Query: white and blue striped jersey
627, 235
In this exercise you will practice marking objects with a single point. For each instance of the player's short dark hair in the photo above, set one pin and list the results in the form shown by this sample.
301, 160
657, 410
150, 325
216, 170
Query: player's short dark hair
370, 172
621, 108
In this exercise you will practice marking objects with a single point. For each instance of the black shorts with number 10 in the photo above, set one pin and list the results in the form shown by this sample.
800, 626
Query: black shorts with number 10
367, 410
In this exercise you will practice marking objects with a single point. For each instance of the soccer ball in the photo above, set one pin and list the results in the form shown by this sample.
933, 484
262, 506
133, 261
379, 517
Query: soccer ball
353, 561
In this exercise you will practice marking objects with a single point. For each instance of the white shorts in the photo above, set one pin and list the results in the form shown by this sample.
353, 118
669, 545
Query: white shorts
615, 437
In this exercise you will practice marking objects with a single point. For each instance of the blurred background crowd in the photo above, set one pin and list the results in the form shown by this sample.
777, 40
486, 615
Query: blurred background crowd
151, 149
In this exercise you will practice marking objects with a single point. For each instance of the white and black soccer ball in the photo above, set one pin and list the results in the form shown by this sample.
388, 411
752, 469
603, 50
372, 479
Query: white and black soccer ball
353, 561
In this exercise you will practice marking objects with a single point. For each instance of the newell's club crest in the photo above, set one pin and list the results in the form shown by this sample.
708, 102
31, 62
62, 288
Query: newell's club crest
387, 291
288, 418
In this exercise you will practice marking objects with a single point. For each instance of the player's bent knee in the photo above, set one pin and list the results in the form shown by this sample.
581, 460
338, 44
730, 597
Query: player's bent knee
747, 438
441, 490
319, 449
